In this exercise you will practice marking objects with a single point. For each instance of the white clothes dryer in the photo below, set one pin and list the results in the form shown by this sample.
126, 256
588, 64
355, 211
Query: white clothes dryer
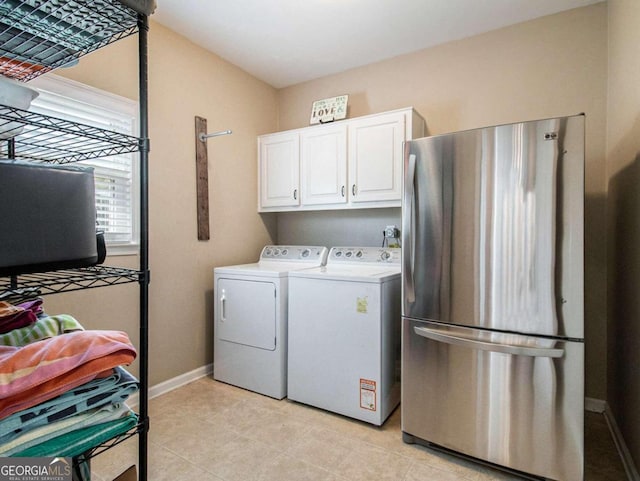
344, 333
250, 318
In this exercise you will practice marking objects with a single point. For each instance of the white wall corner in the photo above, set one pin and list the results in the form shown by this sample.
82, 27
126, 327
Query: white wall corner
618, 439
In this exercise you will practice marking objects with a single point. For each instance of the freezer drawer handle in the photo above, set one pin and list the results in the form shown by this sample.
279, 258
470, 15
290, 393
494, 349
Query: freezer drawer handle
488, 346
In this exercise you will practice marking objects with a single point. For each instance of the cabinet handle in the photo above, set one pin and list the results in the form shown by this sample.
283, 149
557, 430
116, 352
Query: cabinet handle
353, 189
295, 194
343, 191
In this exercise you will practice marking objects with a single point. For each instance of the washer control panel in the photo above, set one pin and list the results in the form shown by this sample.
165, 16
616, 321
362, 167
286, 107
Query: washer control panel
385, 255
316, 254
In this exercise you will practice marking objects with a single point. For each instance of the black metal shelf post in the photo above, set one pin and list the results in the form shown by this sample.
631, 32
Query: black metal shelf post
39, 36
143, 29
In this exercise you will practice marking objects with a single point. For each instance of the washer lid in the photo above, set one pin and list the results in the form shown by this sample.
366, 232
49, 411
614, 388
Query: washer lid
262, 269
377, 273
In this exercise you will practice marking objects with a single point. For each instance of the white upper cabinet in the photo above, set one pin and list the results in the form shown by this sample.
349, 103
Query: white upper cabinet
279, 167
323, 164
354, 163
375, 158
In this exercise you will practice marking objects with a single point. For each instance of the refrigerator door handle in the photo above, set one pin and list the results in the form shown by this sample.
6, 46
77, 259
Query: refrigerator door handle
407, 228
440, 336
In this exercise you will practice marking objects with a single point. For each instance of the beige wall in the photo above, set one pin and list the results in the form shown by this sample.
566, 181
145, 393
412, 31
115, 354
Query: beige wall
185, 81
552, 66
547, 67
623, 211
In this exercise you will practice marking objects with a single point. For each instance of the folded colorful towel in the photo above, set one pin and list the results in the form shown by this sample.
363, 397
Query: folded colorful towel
8, 310
78, 442
46, 432
43, 328
25, 318
22, 315
33, 305
114, 389
43, 370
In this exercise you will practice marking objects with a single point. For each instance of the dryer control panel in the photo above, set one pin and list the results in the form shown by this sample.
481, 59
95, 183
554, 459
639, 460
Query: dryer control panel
368, 255
315, 254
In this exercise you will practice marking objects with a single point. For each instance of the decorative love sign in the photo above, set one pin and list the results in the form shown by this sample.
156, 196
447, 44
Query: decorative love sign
328, 110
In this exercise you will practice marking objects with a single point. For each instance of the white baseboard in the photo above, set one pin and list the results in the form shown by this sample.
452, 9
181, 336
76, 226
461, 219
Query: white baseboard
594, 405
171, 384
618, 439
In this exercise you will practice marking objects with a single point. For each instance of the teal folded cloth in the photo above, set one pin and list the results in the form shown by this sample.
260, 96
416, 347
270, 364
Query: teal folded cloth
80, 441
39, 435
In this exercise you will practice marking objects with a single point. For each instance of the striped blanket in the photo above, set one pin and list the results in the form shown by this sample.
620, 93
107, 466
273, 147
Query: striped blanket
115, 388
43, 328
40, 371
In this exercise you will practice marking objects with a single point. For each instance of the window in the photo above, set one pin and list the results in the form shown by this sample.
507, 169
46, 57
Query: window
116, 176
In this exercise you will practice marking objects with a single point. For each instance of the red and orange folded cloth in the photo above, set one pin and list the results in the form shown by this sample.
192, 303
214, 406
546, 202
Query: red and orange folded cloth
40, 371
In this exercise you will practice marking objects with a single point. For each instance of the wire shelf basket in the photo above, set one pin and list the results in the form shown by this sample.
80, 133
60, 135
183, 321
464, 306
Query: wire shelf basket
50, 139
37, 36
69, 280
140, 427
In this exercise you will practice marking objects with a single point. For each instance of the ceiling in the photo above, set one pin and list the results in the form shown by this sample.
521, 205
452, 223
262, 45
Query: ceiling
285, 42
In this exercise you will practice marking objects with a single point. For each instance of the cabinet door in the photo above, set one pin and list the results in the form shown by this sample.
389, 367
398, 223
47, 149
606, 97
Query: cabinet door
375, 158
279, 158
323, 162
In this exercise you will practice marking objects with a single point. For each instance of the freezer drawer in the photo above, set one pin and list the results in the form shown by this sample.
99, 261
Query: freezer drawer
512, 400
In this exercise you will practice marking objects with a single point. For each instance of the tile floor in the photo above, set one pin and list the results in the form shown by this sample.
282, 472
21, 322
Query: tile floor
209, 431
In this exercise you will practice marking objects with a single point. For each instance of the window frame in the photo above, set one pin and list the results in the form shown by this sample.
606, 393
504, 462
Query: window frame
77, 91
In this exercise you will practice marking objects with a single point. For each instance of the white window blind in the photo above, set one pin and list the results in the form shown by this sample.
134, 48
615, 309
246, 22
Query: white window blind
115, 176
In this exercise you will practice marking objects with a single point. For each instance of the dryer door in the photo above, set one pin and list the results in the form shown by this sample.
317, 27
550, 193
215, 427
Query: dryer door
247, 312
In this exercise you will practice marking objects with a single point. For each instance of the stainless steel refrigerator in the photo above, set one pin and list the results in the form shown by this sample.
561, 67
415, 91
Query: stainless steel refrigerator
492, 286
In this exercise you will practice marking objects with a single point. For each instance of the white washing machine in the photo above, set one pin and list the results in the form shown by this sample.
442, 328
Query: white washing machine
250, 318
344, 333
